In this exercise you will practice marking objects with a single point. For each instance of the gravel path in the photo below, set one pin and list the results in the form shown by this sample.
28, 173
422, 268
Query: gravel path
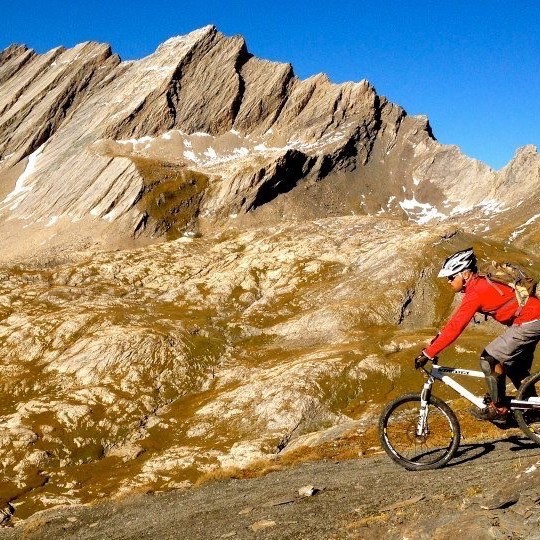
365, 498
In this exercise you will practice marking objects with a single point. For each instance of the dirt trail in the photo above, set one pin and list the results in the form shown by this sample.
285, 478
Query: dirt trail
365, 498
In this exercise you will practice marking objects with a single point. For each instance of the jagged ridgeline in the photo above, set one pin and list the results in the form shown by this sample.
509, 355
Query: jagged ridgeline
78, 123
205, 258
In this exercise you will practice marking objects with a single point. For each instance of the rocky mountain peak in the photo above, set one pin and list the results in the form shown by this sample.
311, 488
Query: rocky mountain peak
191, 38
524, 154
118, 118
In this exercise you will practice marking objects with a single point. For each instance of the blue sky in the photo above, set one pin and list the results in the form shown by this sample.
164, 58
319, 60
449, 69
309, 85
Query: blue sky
473, 67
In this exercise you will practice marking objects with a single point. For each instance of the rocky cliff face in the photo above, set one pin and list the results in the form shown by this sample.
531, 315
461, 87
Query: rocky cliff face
202, 130
305, 220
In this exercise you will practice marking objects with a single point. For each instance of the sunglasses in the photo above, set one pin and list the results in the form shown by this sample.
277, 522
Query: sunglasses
451, 278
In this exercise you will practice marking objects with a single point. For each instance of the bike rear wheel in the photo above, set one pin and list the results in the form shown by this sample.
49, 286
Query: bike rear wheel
529, 419
434, 448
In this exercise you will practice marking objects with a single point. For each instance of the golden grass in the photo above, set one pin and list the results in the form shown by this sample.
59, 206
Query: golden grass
366, 521
256, 469
472, 491
350, 446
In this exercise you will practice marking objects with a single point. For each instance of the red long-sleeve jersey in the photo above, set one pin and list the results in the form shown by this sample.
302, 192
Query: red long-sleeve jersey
485, 297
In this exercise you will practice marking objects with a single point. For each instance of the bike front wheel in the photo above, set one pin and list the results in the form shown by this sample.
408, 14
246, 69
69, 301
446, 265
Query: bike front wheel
529, 419
430, 450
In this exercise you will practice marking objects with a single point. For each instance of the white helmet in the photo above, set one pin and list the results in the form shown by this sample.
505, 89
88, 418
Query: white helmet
462, 260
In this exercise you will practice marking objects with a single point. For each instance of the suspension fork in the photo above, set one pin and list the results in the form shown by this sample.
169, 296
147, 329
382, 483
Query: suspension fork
421, 426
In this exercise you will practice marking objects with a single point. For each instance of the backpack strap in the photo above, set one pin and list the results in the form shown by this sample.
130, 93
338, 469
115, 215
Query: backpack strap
494, 285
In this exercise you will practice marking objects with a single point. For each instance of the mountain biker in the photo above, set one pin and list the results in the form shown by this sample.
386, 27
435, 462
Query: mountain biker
509, 354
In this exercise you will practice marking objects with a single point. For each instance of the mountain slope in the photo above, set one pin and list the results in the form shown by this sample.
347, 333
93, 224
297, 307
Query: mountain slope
199, 353
490, 492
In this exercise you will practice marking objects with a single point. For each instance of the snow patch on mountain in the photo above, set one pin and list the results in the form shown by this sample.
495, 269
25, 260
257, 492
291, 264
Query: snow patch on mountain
521, 228
420, 212
14, 198
487, 207
203, 150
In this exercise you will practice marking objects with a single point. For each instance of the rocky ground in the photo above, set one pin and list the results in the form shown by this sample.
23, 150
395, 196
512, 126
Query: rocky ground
489, 491
145, 369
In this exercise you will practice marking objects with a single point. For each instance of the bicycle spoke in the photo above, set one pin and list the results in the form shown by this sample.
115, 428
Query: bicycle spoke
426, 448
430, 449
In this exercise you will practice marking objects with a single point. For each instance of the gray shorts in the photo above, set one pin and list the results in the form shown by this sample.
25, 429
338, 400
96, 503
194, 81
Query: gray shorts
516, 343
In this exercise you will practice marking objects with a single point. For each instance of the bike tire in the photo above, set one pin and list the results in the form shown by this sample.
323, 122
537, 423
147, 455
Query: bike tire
529, 420
397, 433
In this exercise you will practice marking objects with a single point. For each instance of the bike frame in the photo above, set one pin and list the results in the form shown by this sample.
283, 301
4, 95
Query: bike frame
442, 373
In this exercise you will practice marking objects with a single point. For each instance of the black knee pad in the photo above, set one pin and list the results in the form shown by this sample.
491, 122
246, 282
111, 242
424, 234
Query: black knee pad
488, 363
495, 382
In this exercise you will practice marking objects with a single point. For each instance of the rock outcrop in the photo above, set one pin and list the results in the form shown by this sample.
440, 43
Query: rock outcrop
204, 352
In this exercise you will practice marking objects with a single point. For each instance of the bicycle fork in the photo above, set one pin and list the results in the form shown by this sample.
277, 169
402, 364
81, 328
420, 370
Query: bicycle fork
422, 425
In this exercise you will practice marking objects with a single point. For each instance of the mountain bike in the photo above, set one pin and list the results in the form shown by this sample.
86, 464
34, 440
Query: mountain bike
421, 431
